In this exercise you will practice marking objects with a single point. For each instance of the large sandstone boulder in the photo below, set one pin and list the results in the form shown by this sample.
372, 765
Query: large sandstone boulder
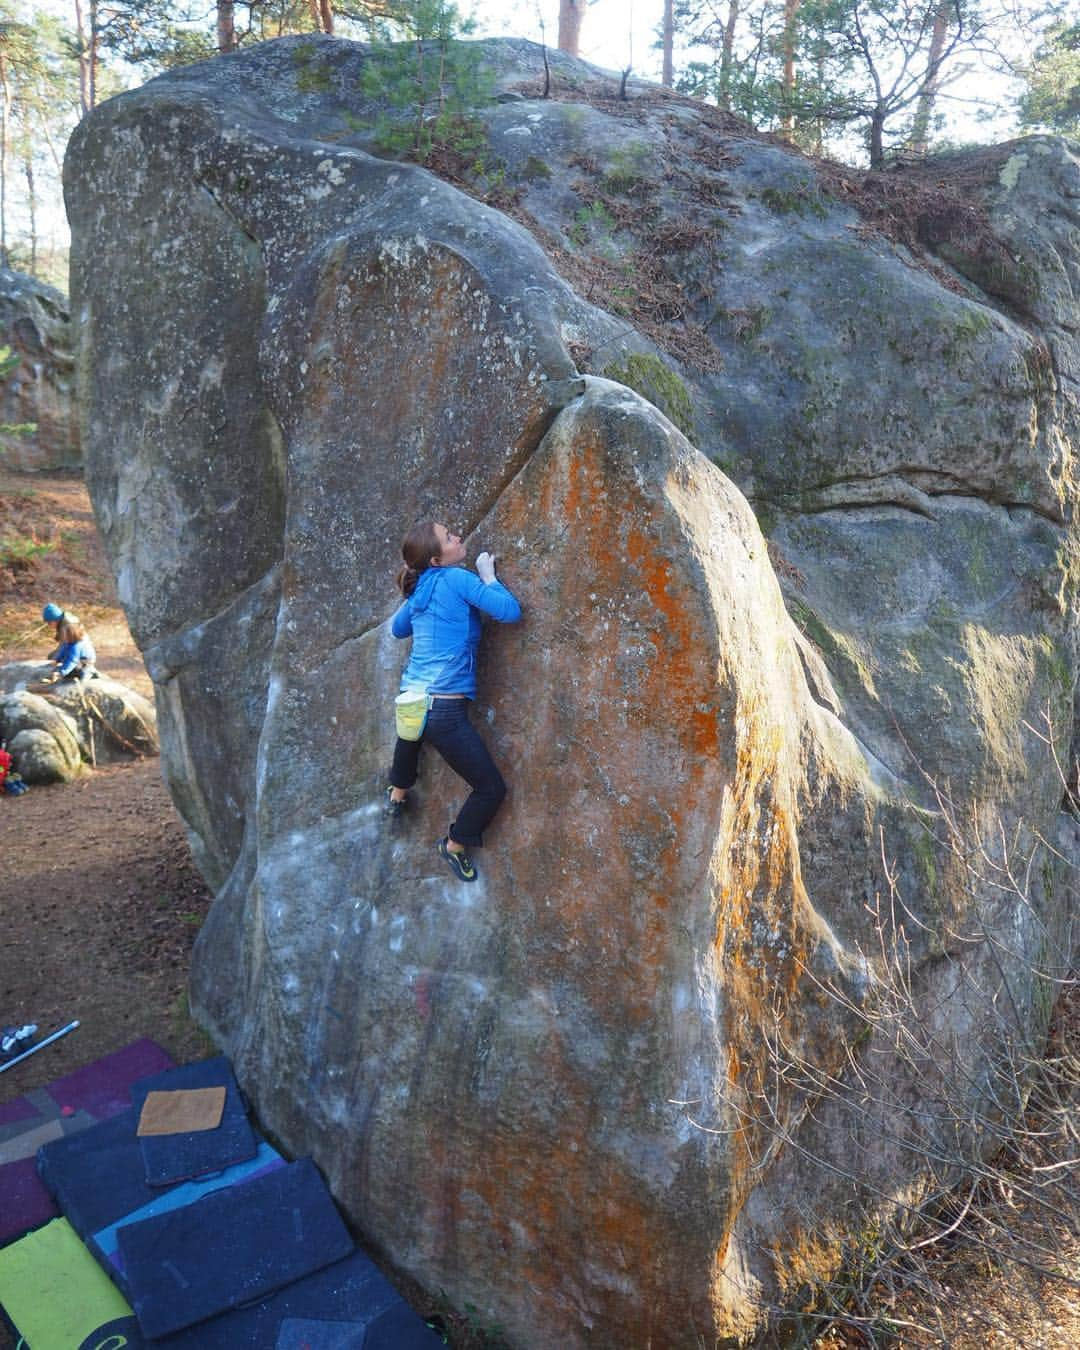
742, 963
56, 731
40, 391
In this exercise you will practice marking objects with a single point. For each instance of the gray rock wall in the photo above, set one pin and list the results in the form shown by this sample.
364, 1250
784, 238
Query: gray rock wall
751, 778
35, 325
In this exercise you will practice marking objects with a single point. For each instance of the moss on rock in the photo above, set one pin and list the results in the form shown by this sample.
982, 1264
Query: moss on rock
648, 376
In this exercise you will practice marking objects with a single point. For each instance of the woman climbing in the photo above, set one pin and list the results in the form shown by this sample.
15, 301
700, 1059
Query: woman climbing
441, 613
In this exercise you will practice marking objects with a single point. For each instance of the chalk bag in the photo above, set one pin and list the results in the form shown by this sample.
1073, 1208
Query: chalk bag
410, 713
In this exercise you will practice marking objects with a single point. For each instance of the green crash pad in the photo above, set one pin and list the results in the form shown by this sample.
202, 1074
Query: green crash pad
54, 1291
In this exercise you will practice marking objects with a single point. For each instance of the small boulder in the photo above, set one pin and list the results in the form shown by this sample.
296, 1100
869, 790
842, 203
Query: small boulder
54, 730
42, 739
41, 757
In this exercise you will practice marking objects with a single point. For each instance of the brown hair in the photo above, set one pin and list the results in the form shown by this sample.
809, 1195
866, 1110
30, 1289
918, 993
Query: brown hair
69, 629
418, 548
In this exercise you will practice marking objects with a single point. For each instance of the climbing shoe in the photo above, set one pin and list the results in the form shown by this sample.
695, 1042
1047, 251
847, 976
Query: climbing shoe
391, 809
458, 863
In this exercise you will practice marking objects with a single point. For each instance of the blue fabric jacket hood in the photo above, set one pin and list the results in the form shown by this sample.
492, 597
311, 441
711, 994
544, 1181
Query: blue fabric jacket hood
442, 616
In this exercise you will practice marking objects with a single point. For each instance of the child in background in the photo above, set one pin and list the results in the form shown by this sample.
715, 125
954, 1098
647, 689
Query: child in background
75, 657
10, 781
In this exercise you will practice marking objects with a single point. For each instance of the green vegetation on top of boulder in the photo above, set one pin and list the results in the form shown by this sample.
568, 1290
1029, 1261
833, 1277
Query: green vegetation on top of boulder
657, 382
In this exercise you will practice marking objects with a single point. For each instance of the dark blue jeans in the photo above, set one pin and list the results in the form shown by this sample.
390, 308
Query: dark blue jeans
450, 732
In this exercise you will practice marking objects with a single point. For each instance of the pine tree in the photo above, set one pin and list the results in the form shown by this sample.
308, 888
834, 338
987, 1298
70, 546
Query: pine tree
1052, 97
20, 59
429, 84
817, 69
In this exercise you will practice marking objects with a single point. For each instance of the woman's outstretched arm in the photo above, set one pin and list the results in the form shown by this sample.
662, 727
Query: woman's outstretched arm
490, 597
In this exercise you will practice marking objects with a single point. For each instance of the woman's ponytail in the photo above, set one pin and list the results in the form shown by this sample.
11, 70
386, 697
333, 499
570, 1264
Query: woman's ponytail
418, 548
407, 579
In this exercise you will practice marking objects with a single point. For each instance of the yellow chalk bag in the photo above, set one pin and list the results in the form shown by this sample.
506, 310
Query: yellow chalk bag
410, 713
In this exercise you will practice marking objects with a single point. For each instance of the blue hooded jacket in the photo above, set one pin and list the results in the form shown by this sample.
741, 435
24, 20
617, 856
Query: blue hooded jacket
74, 654
442, 616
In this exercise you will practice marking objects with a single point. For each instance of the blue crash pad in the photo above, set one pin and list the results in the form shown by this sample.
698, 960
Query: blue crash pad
96, 1176
230, 1247
106, 1240
97, 1180
399, 1328
57, 1293
349, 1305
169, 1158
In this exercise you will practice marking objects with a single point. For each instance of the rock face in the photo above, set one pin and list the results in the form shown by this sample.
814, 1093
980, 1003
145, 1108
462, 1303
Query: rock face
741, 961
55, 731
35, 324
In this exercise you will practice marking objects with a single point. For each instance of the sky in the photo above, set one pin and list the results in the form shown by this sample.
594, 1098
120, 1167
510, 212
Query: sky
614, 33
617, 33
605, 32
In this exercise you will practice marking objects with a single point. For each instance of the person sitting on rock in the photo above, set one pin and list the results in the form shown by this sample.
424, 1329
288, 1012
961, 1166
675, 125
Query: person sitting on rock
75, 658
441, 613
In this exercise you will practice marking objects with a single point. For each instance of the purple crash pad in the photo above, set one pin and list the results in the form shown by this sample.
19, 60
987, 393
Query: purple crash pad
103, 1089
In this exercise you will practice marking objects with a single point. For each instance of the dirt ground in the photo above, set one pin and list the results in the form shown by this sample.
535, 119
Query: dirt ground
101, 900
101, 904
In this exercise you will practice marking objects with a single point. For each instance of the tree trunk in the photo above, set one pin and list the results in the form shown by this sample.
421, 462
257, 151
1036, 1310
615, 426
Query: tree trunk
84, 64
226, 26
93, 52
43, 122
877, 139
787, 120
819, 121
668, 78
920, 130
727, 55
571, 12
5, 118
421, 101
326, 9
31, 198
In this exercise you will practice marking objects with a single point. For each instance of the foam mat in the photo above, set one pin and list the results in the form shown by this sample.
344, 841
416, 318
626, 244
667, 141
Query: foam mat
169, 1158
63, 1108
230, 1247
58, 1297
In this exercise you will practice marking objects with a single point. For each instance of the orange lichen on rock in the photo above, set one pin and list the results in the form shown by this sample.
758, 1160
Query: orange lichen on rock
631, 675
565, 1199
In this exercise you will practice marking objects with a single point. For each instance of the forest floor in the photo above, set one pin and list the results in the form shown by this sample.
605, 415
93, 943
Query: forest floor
101, 905
101, 899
